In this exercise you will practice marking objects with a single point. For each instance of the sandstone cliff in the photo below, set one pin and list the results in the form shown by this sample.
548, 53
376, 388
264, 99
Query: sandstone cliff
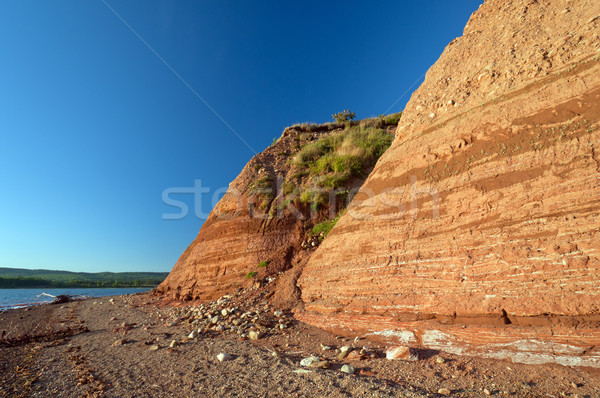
478, 231
262, 226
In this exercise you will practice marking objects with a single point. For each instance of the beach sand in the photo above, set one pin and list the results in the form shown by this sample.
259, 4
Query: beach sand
120, 347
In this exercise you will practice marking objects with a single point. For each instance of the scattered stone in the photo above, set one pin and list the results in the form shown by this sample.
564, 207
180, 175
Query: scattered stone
355, 356
356, 339
120, 342
440, 360
278, 314
302, 371
444, 391
344, 351
282, 326
486, 391
193, 335
113, 318
224, 312
154, 347
348, 369
325, 347
254, 335
321, 365
401, 352
306, 362
174, 344
222, 357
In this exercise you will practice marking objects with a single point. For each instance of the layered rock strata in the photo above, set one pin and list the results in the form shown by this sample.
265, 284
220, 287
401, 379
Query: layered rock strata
478, 231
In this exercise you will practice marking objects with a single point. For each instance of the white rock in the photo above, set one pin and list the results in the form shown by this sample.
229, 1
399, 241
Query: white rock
253, 335
278, 313
224, 312
345, 349
224, 357
401, 352
174, 344
306, 362
348, 369
193, 335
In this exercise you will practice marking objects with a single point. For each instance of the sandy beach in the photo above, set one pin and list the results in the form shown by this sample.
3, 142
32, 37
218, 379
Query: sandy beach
142, 346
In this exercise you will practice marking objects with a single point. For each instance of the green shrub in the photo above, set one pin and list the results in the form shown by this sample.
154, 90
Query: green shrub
288, 187
262, 185
251, 274
314, 197
263, 264
394, 118
345, 116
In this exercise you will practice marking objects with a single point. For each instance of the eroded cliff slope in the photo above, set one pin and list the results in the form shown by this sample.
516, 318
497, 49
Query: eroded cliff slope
478, 231
263, 226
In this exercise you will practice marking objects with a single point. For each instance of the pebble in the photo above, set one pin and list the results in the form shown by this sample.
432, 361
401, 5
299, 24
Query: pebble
302, 371
325, 347
224, 357
440, 360
306, 362
153, 347
320, 365
344, 351
278, 314
444, 391
193, 335
174, 344
486, 391
253, 335
348, 369
224, 312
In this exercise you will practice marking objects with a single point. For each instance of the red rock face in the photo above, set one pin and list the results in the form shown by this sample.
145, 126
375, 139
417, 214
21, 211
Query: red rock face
478, 232
260, 219
238, 235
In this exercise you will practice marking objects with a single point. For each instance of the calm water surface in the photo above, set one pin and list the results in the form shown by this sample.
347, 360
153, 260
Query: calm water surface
14, 298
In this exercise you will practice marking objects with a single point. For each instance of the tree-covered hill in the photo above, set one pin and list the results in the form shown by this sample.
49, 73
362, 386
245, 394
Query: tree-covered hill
24, 278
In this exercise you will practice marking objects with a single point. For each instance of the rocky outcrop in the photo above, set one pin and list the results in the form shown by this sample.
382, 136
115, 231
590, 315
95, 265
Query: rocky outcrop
261, 227
478, 231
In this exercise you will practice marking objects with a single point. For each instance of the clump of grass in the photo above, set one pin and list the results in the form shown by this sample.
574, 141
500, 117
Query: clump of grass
251, 274
323, 228
334, 159
394, 118
263, 264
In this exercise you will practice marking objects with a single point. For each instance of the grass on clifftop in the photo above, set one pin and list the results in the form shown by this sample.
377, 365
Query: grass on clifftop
332, 161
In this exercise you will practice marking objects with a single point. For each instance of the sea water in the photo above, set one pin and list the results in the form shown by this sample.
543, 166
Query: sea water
15, 298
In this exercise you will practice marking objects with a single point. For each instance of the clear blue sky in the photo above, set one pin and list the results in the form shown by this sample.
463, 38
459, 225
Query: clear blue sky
94, 126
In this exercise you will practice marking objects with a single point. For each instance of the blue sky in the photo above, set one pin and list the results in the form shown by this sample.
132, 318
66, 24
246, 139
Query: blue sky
94, 126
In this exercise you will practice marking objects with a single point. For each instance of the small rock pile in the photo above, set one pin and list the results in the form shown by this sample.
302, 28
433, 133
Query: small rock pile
227, 315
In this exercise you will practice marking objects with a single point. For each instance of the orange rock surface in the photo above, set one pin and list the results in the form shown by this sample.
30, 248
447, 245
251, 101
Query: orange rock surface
478, 231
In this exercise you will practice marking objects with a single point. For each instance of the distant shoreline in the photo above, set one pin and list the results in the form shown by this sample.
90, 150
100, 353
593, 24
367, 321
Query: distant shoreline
15, 278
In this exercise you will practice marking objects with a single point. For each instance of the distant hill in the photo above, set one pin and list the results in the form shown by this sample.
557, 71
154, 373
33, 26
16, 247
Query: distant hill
24, 278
